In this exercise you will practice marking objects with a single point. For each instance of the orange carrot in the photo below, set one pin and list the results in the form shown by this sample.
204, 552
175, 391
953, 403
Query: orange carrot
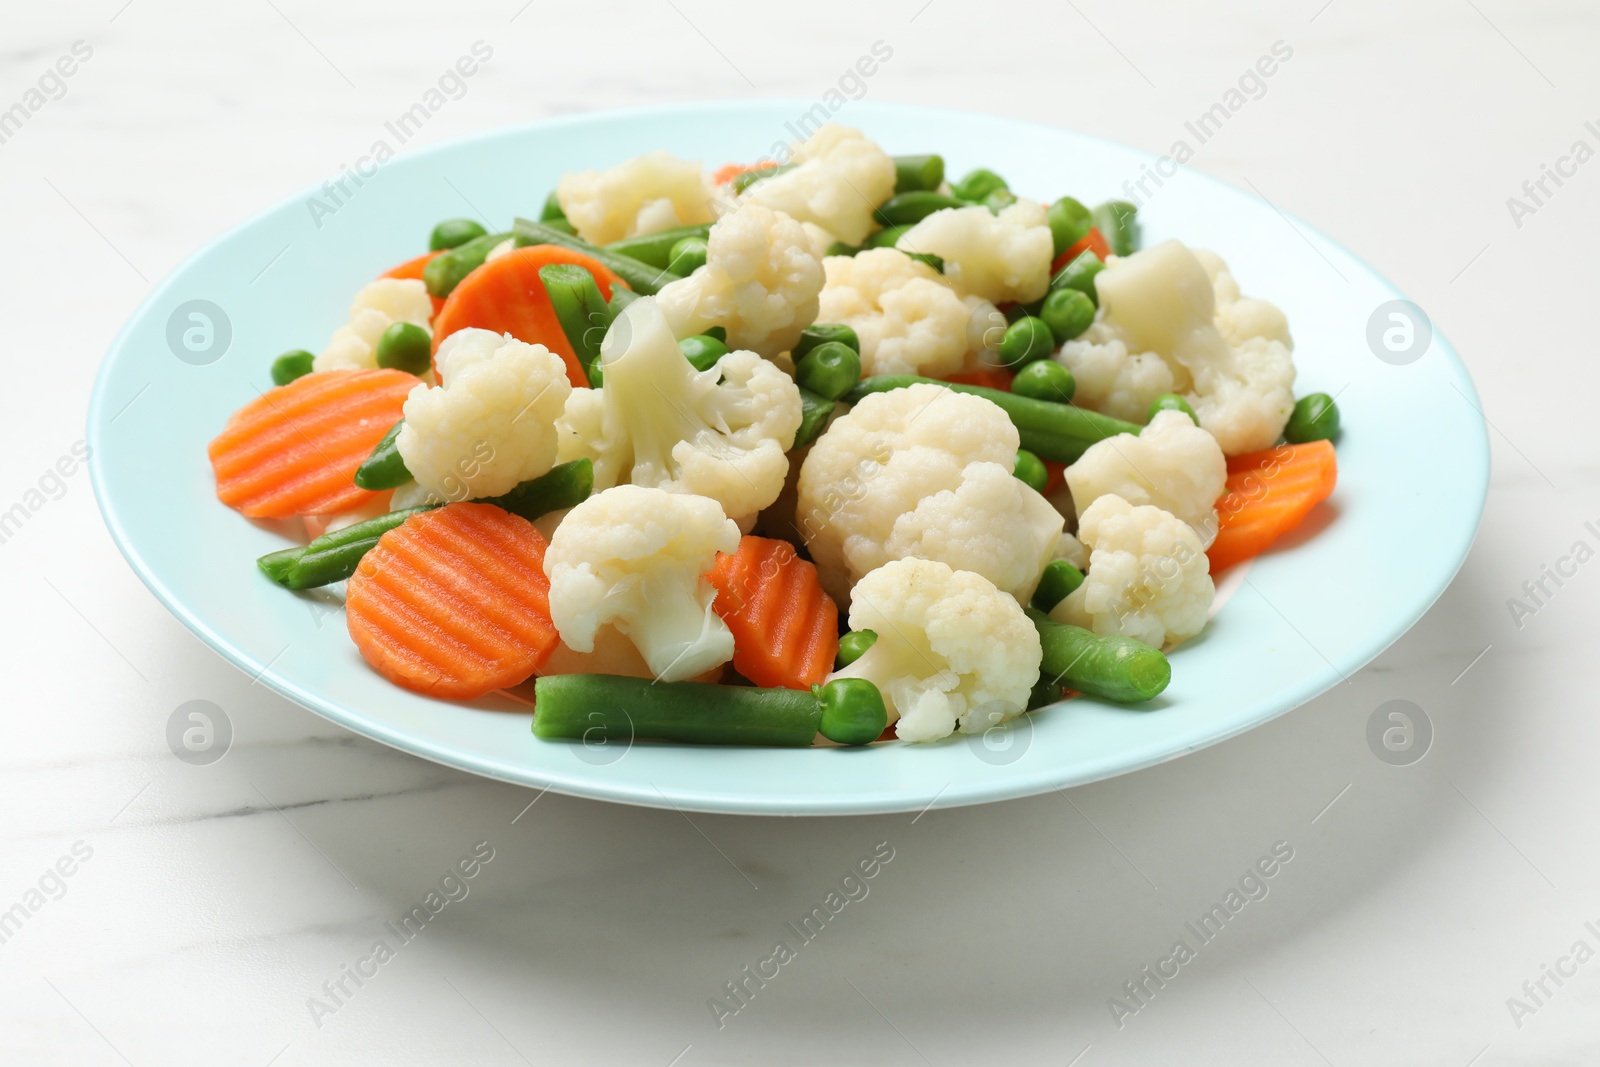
1055, 475
454, 602
1093, 241
785, 628
506, 295
984, 374
729, 171
1268, 494
294, 450
412, 269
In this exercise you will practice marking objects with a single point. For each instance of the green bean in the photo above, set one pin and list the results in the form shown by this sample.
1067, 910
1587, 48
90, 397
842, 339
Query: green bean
1057, 432
814, 412
688, 256
620, 299
563, 226
1045, 379
552, 209
1030, 471
445, 271
1068, 312
1058, 581
852, 646
1115, 668
887, 237
853, 712
905, 209
1070, 222
1315, 418
333, 556
582, 312
936, 262
405, 346
611, 708
1027, 339
453, 233
750, 177
976, 185
293, 364
819, 333
565, 485
276, 565
642, 278
702, 351
656, 248
1079, 275
385, 468
719, 332
999, 200
830, 370
1118, 223
839, 248
918, 173
1172, 402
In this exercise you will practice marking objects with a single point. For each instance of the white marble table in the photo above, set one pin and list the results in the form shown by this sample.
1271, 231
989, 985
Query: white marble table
207, 905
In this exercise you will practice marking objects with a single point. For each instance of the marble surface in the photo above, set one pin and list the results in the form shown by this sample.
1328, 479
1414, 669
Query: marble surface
209, 910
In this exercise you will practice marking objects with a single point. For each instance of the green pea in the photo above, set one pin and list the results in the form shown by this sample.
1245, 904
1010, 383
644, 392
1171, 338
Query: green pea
831, 369
978, 184
1060, 578
719, 332
822, 332
1172, 402
1080, 275
687, 256
1027, 339
1070, 222
702, 351
406, 346
1030, 471
1045, 379
1315, 418
293, 364
1068, 313
854, 645
852, 711
453, 233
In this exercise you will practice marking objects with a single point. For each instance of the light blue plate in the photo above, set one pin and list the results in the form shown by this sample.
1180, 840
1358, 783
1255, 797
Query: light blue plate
1413, 469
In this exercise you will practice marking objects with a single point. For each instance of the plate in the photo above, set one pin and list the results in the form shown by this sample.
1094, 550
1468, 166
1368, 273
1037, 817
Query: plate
1413, 465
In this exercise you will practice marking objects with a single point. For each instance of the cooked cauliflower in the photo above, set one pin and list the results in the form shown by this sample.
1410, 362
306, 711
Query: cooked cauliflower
951, 649
379, 304
1004, 257
1172, 464
491, 424
922, 471
646, 194
1148, 578
760, 282
1172, 321
839, 180
721, 433
1071, 549
909, 319
636, 558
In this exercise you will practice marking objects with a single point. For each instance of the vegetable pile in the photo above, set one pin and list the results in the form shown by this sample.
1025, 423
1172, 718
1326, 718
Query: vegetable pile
827, 447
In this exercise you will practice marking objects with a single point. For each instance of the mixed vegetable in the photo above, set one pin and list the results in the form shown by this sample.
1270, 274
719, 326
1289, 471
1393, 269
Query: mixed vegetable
823, 447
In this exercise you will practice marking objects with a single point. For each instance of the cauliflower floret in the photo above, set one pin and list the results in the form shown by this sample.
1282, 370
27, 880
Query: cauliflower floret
1172, 320
922, 471
760, 282
491, 424
1004, 257
636, 558
722, 433
951, 649
1071, 549
1172, 464
1148, 578
909, 319
646, 194
839, 180
379, 305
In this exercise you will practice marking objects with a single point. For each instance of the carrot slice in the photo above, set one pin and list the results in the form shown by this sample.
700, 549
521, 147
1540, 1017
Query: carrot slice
1093, 241
729, 171
785, 628
454, 602
294, 450
412, 269
506, 295
985, 375
1268, 494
